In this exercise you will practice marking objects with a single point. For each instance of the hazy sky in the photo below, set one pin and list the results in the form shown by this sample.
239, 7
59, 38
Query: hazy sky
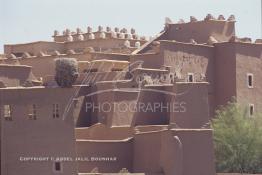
32, 20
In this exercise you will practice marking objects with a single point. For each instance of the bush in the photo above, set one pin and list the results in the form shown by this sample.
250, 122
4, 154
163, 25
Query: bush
66, 71
238, 140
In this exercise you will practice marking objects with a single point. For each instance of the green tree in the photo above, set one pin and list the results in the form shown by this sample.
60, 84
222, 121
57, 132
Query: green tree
238, 140
66, 71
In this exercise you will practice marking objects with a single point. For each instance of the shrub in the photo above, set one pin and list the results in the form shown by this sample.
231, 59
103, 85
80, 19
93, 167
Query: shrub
66, 71
238, 140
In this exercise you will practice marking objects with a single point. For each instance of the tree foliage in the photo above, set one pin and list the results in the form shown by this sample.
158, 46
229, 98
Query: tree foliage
238, 140
66, 71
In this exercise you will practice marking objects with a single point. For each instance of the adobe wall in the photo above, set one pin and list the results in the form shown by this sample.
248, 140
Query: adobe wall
171, 154
109, 56
120, 150
22, 137
150, 60
157, 152
124, 102
249, 60
110, 106
200, 31
15, 75
98, 44
191, 108
152, 108
189, 58
147, 147
198, 151
40, 64
225, 73
101, 132
34, 48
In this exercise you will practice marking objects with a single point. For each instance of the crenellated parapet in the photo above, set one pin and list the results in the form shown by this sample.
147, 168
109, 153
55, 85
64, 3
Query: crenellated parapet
101, 33
220, 28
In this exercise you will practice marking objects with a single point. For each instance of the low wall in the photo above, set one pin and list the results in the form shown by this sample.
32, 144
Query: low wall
15, 75
120, 153
101, 132
198, 153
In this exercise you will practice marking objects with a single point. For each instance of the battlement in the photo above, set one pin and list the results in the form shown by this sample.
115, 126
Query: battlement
209, 17
200, 31
78, 35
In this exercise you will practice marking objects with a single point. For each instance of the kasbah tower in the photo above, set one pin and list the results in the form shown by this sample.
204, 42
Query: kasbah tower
171, 85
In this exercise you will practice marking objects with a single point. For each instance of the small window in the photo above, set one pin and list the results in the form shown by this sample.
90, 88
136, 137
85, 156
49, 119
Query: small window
251, 109
250, 80
32, 112
7, 112
57, 167
55, 111
116, 70
190, 77
93, 70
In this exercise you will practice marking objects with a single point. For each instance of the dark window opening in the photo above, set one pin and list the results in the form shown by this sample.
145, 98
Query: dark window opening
55, 111
58, 166
250, 80
190, 78
116, 69
251, 109
93, 70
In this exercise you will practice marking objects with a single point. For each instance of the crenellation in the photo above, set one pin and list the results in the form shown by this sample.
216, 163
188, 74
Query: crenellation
100, 29
127, 44
67, 32
56, 33
113, 34
102, 35
193, 19
132, 31
89, 29
116, 29
129, 36
123, 30
209, 17
221, 18
91, 36
121, 35
181, 21
108, 29
231, 18
69, 38
80, 37
78, 31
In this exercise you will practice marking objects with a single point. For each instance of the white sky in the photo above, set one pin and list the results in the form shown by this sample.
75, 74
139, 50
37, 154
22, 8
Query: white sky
32, 20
